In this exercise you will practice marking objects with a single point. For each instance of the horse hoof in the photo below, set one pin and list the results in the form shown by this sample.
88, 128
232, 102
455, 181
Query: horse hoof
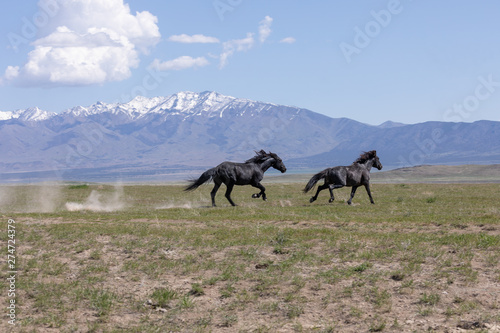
255, 195
331, 200
311, 200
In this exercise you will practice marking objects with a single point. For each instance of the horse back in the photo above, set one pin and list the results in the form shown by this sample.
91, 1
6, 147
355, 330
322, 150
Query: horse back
337, 175
238, 173
357, 175
351, 175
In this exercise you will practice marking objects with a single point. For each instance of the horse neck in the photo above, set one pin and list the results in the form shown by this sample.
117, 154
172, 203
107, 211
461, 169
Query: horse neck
369, 164
266, 164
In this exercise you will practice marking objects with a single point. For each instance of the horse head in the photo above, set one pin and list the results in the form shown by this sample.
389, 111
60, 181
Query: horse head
377, 164
370, 156
278, 163
376, 160
268, 160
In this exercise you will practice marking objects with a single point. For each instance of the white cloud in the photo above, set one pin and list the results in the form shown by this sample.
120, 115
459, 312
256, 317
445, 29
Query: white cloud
11, 72
87, 42
193, 39
245, 44
180, 63
265, 28
235, 45
288, 40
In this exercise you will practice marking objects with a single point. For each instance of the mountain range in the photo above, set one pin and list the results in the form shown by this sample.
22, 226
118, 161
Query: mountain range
177, 136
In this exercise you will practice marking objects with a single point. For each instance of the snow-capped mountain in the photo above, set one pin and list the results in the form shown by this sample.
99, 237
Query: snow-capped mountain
186, 103
30, 114
209, 104
164, 135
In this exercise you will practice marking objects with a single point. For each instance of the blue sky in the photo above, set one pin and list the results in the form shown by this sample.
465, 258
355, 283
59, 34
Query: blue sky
372, 61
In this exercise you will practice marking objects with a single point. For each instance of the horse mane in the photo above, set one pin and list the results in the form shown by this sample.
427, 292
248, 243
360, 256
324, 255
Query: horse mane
260, 156
365, 156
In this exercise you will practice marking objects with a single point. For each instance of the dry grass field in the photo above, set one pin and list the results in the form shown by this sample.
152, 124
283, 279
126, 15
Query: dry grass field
146, 258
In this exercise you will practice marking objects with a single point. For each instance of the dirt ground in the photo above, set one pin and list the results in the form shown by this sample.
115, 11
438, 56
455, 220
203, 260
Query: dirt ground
267, 291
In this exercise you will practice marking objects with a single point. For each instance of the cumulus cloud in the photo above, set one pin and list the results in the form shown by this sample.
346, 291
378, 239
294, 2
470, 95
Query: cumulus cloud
288, 40
193, 39
265, 28
11, 72
179, 63
87, 42
235, 45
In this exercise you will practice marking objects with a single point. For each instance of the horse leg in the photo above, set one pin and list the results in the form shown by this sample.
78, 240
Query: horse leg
320, 188
367, 186
330, 188
262, 191
228, 193
214, 191
353, 191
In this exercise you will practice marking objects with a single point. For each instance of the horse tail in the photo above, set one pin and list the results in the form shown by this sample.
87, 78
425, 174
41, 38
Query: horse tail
314, 179
204, 178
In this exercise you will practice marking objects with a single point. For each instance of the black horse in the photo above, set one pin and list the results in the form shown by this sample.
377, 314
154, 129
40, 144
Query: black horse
249, 173
355, 175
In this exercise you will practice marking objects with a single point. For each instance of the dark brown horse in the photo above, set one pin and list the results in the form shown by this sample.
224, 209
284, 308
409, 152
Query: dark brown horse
249, 173
355, 175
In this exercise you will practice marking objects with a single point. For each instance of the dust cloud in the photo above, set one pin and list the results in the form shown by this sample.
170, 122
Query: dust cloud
100, 202
187, 205
5, 198
45, 198
40, 198
49, 198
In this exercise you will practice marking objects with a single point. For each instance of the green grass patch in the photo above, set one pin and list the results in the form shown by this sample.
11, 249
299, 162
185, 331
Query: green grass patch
164, 258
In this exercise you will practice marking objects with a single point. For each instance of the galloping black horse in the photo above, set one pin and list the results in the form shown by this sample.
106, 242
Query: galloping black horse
355, 175
249, 173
